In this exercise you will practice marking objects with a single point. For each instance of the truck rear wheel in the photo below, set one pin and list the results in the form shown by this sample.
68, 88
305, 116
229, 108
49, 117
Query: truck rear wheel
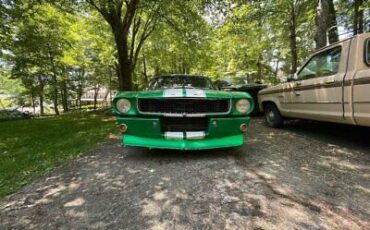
273, 117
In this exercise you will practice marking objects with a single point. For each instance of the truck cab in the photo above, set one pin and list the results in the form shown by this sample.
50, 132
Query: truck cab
332, 85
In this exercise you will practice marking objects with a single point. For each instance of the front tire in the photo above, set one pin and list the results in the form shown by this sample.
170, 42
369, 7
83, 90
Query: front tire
273, 117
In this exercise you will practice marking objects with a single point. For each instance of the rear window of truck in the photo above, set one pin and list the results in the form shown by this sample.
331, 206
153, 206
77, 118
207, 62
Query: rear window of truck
367, 52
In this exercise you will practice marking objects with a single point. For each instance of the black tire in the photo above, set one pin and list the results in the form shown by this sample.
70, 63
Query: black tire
273, 117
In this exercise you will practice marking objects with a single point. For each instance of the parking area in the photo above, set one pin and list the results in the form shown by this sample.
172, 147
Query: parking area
308, 175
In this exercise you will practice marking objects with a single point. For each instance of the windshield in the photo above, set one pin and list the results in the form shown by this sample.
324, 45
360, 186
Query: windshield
237, 80
165, 82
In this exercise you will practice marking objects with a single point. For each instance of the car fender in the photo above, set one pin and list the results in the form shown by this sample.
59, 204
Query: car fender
268, 98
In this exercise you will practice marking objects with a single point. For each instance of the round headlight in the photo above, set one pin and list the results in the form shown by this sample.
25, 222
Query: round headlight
243, 106
123, 105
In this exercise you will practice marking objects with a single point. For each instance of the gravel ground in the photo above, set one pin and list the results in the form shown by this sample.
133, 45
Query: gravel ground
309, 175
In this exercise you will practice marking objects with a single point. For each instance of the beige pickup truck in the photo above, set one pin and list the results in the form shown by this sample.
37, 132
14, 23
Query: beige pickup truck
333, 85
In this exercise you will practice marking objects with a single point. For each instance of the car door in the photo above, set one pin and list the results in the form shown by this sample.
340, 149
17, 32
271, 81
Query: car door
316, 92
361, 83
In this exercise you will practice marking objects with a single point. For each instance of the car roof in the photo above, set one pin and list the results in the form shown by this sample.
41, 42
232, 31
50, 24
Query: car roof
340, 41
180, 75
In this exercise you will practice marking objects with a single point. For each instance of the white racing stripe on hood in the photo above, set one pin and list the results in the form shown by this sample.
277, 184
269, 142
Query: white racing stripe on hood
172, 93
195, 93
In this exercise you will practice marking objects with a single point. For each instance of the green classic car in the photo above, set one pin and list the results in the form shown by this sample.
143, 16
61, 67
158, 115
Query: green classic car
182, 112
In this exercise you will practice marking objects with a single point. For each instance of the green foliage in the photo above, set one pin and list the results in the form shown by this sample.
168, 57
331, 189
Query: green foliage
11, 90
246, 40
181, 47
30, 148
54, 52
231, 38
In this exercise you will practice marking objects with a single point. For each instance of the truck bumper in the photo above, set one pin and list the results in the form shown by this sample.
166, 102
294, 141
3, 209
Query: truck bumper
146, 132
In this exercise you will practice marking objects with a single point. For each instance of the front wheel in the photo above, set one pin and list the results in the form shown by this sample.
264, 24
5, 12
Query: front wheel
272, 116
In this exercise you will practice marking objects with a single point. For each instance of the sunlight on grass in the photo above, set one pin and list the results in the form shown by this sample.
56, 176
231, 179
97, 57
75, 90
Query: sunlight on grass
30, 148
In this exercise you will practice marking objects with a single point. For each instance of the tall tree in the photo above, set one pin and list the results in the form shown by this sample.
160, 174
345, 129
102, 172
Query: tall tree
358, 17
131, 23
326, 25
293, 15
38, 44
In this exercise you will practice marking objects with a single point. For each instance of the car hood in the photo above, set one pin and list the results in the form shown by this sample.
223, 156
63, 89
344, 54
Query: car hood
250, 86
183, 92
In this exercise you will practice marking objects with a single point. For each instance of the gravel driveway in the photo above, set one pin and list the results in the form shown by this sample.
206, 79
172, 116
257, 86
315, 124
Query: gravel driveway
309, 175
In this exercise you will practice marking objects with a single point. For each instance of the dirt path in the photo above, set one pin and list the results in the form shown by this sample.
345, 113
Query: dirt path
307, 176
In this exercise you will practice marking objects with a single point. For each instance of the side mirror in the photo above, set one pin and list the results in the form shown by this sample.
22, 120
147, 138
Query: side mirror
291, 77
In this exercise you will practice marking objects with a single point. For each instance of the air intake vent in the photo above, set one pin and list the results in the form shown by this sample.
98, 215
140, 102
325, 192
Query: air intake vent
184, 106
171, 124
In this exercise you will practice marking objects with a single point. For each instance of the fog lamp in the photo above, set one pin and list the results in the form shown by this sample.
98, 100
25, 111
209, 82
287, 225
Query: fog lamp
123, 128
243, 127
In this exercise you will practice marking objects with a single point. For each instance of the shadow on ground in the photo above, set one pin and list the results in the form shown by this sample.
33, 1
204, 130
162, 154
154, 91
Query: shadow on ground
285, 179
354, 137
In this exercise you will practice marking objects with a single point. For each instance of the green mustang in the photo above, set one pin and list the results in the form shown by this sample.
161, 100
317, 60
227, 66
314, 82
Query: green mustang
182, 112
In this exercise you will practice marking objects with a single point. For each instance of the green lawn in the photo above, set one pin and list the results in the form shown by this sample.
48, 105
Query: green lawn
30, 148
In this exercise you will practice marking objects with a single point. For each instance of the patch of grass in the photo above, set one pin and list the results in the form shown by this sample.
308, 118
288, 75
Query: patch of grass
30, 148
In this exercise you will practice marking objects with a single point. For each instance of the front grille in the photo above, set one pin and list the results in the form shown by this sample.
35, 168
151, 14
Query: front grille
184, 105
172, 124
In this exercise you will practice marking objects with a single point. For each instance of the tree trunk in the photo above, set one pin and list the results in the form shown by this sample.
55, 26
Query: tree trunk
259, 68
124, 69
355, 17
80, 87
96, 92
145, 71
332, 23
79, 95
157, 70
361, 22
64, 93
293, 40
120, 15
110, 85
183, 67
78, 101
55, 81
358, 17
277, 69
325, 23
33, 102
41, 95
55, 96
134, 82
259, 64
41, 101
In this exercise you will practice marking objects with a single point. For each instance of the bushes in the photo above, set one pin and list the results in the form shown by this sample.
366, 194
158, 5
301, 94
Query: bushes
6, 115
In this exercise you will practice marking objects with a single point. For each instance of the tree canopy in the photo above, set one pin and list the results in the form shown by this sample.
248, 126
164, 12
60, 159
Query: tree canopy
53, 50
